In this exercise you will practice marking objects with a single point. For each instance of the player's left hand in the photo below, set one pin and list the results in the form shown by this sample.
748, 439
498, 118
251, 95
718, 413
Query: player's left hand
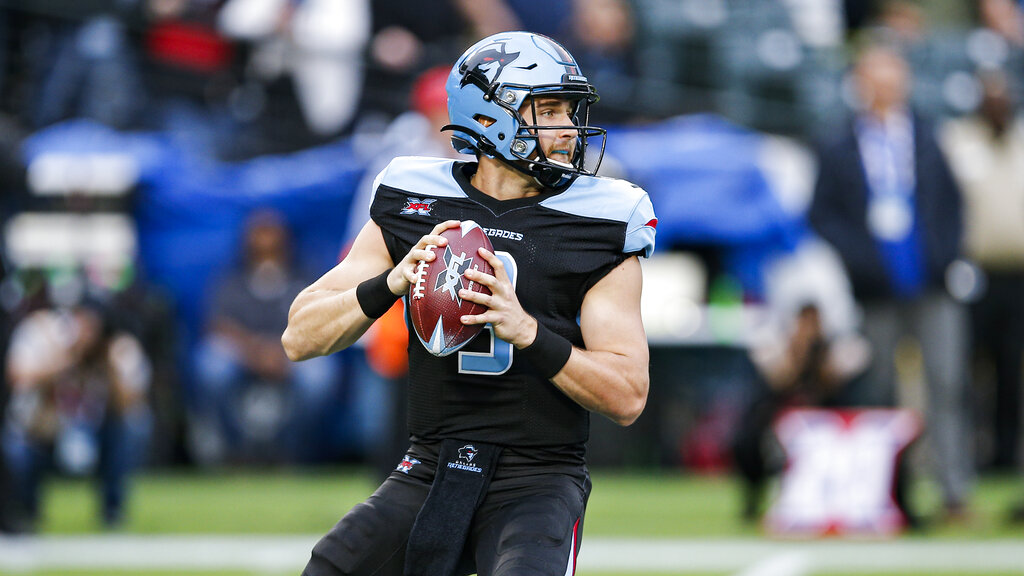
508, 319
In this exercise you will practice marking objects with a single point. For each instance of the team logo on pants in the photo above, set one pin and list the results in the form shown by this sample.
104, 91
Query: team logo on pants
407, 463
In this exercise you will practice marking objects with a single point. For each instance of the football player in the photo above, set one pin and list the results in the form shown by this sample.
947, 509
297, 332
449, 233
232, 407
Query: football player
495, 480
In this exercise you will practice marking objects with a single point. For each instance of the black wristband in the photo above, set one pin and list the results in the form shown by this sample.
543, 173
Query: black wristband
548, 353
374, 296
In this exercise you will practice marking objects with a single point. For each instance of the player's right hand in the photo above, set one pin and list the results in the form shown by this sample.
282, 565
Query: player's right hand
404, 274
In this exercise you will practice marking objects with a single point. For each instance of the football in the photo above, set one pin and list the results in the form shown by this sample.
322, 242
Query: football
434, 303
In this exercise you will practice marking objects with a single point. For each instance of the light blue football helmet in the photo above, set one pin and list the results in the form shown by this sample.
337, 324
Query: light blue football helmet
494, 78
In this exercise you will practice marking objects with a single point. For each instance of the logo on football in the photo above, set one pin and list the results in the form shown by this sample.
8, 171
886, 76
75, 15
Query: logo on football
434, 303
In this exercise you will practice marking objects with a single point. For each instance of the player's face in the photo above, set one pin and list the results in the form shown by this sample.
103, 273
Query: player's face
558, 145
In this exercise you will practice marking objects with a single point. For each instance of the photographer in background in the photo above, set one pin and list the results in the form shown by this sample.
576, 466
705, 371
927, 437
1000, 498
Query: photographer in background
805, 369
79, 390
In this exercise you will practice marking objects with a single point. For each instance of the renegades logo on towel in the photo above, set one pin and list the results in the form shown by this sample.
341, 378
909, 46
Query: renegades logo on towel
466, 454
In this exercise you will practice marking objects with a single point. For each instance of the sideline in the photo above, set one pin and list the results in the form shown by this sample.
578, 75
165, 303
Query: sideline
268, 553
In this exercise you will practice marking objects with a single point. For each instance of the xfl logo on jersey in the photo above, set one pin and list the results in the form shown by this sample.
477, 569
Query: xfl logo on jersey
418, 206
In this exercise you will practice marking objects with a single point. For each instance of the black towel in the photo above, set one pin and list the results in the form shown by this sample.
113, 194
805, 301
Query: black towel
464, 470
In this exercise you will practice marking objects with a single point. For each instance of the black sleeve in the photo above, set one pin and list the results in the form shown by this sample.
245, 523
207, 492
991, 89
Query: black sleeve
601, 272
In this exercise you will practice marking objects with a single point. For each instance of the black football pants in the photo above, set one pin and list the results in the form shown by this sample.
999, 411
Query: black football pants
526, 526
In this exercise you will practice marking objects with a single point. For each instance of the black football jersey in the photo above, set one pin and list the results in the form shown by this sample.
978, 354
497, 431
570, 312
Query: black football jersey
555, 247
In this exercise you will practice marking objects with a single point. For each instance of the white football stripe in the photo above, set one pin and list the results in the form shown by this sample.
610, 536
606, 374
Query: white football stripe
467, 226
437, 338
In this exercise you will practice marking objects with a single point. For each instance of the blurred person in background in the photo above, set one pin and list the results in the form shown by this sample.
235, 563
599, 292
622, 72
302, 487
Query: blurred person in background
601, 34
84, 64
1004, 17
803, 367
251, 403
79, 387
904, 21
410, 36
987, 155
887, 202
315, 48
190, 73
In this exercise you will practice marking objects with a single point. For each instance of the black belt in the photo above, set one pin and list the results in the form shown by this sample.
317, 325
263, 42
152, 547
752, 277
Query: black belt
464, 471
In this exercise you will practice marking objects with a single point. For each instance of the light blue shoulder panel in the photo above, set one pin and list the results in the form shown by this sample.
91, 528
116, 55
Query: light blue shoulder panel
611, 199
421, 176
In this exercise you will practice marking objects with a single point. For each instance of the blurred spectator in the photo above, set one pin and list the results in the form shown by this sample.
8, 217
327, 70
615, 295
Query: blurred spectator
1004, 17
190, 74
251, 403
486, 17
601, 36
410, 36
904, 21
317, 45
886, 200
987, 156
85, 66
79, 402
549, 17
800, 368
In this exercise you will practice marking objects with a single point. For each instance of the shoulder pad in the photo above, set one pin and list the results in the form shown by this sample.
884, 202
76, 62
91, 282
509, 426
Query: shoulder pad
611, 199
419, 176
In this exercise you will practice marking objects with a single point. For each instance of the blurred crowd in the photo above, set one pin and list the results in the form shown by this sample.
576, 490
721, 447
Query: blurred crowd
911, 110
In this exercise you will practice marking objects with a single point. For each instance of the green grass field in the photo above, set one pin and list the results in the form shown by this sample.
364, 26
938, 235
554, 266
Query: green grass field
661, 504
656, 505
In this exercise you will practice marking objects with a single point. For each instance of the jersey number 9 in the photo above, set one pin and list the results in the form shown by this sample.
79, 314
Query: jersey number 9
499, 359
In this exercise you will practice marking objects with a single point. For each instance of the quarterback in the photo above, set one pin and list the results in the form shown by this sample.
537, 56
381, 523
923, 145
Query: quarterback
495, 479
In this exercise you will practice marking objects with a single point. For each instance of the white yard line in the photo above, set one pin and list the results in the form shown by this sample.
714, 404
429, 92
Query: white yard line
681, 556
289, 554
785, 564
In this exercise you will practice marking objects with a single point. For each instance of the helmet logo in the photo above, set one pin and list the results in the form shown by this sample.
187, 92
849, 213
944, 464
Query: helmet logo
490, 60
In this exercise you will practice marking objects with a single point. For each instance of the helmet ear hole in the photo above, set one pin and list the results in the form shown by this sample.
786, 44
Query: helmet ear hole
484, 121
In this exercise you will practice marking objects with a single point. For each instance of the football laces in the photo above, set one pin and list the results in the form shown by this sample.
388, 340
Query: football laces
421, 274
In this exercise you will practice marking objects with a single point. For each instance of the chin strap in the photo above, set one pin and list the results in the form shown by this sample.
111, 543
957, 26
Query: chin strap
550, 177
